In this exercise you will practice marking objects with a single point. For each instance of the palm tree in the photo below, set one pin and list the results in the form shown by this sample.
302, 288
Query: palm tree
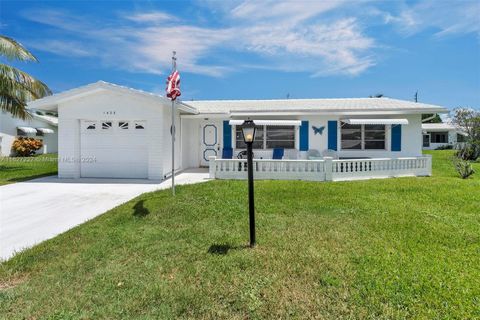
17, 88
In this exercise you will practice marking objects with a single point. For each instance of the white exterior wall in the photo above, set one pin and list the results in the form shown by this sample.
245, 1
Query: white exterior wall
8, 133
411, 138
109, 105
190, 143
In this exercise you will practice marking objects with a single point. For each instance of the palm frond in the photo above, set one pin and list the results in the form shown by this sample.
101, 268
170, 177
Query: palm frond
15, 79
17, 88
12, 50
14, 106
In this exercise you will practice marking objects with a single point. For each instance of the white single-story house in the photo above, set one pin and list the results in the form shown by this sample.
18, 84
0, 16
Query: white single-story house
42, 126
440, 135
106, 130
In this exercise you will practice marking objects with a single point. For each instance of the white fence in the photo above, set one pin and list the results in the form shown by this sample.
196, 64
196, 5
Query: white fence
322, 170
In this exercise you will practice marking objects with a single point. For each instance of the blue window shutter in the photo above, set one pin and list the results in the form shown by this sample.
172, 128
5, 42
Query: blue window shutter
227, 134
397, 137
332, 135
304, 136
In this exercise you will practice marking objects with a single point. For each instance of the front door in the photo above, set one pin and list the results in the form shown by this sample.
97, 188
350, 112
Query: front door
209, 141
426, 140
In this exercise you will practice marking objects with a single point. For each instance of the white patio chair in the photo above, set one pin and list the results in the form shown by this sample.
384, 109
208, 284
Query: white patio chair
313, 154
330, 153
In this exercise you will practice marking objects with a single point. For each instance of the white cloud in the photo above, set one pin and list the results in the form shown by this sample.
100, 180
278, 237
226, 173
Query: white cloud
282, 35
62, 47
284, 11
445, 17
151, 17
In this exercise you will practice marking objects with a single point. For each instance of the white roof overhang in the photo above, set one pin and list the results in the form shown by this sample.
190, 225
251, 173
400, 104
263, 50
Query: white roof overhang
52, 102
327, 112
27, 129
51, 120
45, 130
375, 121
268, 122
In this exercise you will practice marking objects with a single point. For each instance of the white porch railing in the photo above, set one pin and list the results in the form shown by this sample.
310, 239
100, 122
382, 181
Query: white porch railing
321, 170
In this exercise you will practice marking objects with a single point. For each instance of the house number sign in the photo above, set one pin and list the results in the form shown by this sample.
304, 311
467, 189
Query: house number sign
108, 112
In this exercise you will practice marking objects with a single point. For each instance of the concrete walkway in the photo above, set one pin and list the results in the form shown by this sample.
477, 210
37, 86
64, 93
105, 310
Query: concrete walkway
40, 209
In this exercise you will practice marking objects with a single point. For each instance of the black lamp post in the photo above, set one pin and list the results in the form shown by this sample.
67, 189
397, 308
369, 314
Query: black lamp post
248, 130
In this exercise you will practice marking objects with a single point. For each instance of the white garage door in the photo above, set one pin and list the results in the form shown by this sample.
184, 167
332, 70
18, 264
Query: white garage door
113, 149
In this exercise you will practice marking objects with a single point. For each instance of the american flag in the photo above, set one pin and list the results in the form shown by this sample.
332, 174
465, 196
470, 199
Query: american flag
173, 85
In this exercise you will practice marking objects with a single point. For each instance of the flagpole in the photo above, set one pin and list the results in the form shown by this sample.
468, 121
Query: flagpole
174, 67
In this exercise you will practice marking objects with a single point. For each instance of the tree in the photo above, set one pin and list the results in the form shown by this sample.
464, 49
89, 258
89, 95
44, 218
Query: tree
17, 88
432, 118
468, 120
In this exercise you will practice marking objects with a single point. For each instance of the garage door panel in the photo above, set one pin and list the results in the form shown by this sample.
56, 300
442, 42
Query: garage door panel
118, 155
113, 153
114, 170
104, 140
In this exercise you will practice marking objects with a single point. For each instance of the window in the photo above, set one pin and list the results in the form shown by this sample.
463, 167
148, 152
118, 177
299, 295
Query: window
351, 136
280, 137
91, 126
123, 125
439, 137
268, 137
374, 135
106, 125
259, 137
139, 125
363, 136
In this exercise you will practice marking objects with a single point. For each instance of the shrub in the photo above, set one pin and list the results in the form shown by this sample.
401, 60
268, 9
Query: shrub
463, 167
469, 152
445, 147
26, 146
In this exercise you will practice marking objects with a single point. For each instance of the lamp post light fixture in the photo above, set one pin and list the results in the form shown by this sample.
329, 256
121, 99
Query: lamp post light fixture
248, 130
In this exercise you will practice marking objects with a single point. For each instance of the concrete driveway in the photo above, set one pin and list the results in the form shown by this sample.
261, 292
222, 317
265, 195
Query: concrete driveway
40, 209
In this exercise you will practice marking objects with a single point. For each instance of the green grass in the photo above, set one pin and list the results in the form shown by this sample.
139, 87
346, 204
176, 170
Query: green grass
15, 169
378, 249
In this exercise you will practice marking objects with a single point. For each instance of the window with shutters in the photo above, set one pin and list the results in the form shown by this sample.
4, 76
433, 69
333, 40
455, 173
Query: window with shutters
363, 136
268, 137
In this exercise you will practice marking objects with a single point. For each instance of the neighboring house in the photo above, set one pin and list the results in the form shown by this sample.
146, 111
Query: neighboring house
107, 130
440, 135
43, 126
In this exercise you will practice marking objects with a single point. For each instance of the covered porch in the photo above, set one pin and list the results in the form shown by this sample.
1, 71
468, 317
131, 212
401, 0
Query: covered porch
325, 169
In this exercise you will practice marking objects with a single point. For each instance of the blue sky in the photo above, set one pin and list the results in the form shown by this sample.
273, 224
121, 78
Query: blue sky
257, 49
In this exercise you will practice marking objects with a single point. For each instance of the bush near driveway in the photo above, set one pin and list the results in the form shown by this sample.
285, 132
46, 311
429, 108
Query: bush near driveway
405, 248
26, 146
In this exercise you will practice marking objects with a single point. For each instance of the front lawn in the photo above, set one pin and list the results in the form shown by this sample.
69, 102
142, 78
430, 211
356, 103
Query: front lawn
15, 169
393, 248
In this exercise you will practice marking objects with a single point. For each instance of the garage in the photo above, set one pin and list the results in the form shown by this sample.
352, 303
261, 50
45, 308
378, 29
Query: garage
113, 149
110, 131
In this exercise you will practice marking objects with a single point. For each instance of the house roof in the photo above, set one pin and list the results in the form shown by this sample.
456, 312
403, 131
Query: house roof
255, 107
438, 126
51, 102
292, 106
50, 119
445, 126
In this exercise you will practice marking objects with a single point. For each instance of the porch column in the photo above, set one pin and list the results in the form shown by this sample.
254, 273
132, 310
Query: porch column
211, 166
328, 168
